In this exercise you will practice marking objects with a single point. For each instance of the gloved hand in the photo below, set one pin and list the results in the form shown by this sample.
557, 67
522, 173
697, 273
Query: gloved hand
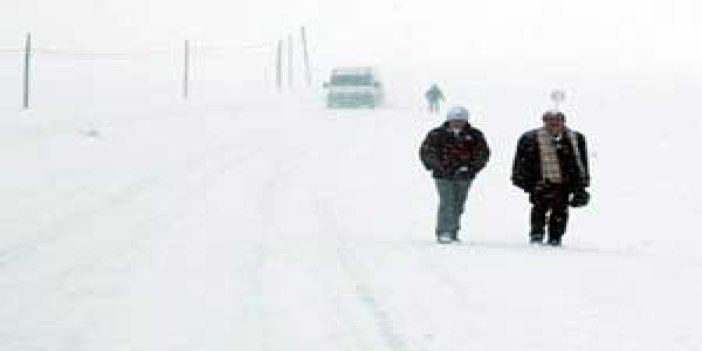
580, 198
464, 171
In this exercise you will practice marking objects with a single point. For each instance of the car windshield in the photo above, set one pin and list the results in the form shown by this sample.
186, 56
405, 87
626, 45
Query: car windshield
351, 80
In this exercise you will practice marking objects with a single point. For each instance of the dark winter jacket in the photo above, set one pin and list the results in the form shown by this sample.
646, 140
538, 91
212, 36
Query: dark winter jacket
526, 170
451, 156
434, 94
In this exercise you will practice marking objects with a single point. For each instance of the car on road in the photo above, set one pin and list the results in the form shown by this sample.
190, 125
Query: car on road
354, 87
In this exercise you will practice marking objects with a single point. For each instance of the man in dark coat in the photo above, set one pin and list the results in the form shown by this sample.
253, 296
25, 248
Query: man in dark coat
434, 95
551, 165
455, 153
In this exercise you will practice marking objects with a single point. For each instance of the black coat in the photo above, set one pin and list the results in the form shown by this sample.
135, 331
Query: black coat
445, 153
526, 170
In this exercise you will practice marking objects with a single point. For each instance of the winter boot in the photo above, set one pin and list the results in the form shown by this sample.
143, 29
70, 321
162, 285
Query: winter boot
536, 238
444, 238
554, 242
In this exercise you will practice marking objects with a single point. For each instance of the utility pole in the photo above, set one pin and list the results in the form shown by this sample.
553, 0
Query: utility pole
27, 69
186, 70
290, 62
279, 66
308, 75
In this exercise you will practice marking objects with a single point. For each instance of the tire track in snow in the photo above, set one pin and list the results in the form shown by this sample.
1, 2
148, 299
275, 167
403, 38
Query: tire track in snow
71, 279
175, 182
261, 309
350, 266
95, 264
87, 204
291, 173
123, 196
382, 329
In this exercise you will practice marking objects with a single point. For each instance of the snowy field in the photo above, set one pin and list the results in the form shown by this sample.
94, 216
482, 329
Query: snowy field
256, 221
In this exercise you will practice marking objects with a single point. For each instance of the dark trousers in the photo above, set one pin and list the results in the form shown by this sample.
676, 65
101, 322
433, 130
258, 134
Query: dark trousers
434, 106
549, 209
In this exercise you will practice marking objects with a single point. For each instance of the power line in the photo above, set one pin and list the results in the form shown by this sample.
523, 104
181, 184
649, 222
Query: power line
101, 54
210, 49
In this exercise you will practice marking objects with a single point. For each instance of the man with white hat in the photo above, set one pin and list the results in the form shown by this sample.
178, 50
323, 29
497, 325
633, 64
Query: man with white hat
455, 153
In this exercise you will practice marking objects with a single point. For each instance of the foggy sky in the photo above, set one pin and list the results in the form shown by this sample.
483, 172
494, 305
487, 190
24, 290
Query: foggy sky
593, 32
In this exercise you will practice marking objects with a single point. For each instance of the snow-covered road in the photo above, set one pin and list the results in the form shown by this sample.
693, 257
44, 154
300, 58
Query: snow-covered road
288, 227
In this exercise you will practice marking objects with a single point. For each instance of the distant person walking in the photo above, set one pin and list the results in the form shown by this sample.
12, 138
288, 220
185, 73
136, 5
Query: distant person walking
434, 97
455, 153
551, 165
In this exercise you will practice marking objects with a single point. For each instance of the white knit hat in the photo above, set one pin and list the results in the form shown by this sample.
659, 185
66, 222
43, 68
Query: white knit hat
458, 113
